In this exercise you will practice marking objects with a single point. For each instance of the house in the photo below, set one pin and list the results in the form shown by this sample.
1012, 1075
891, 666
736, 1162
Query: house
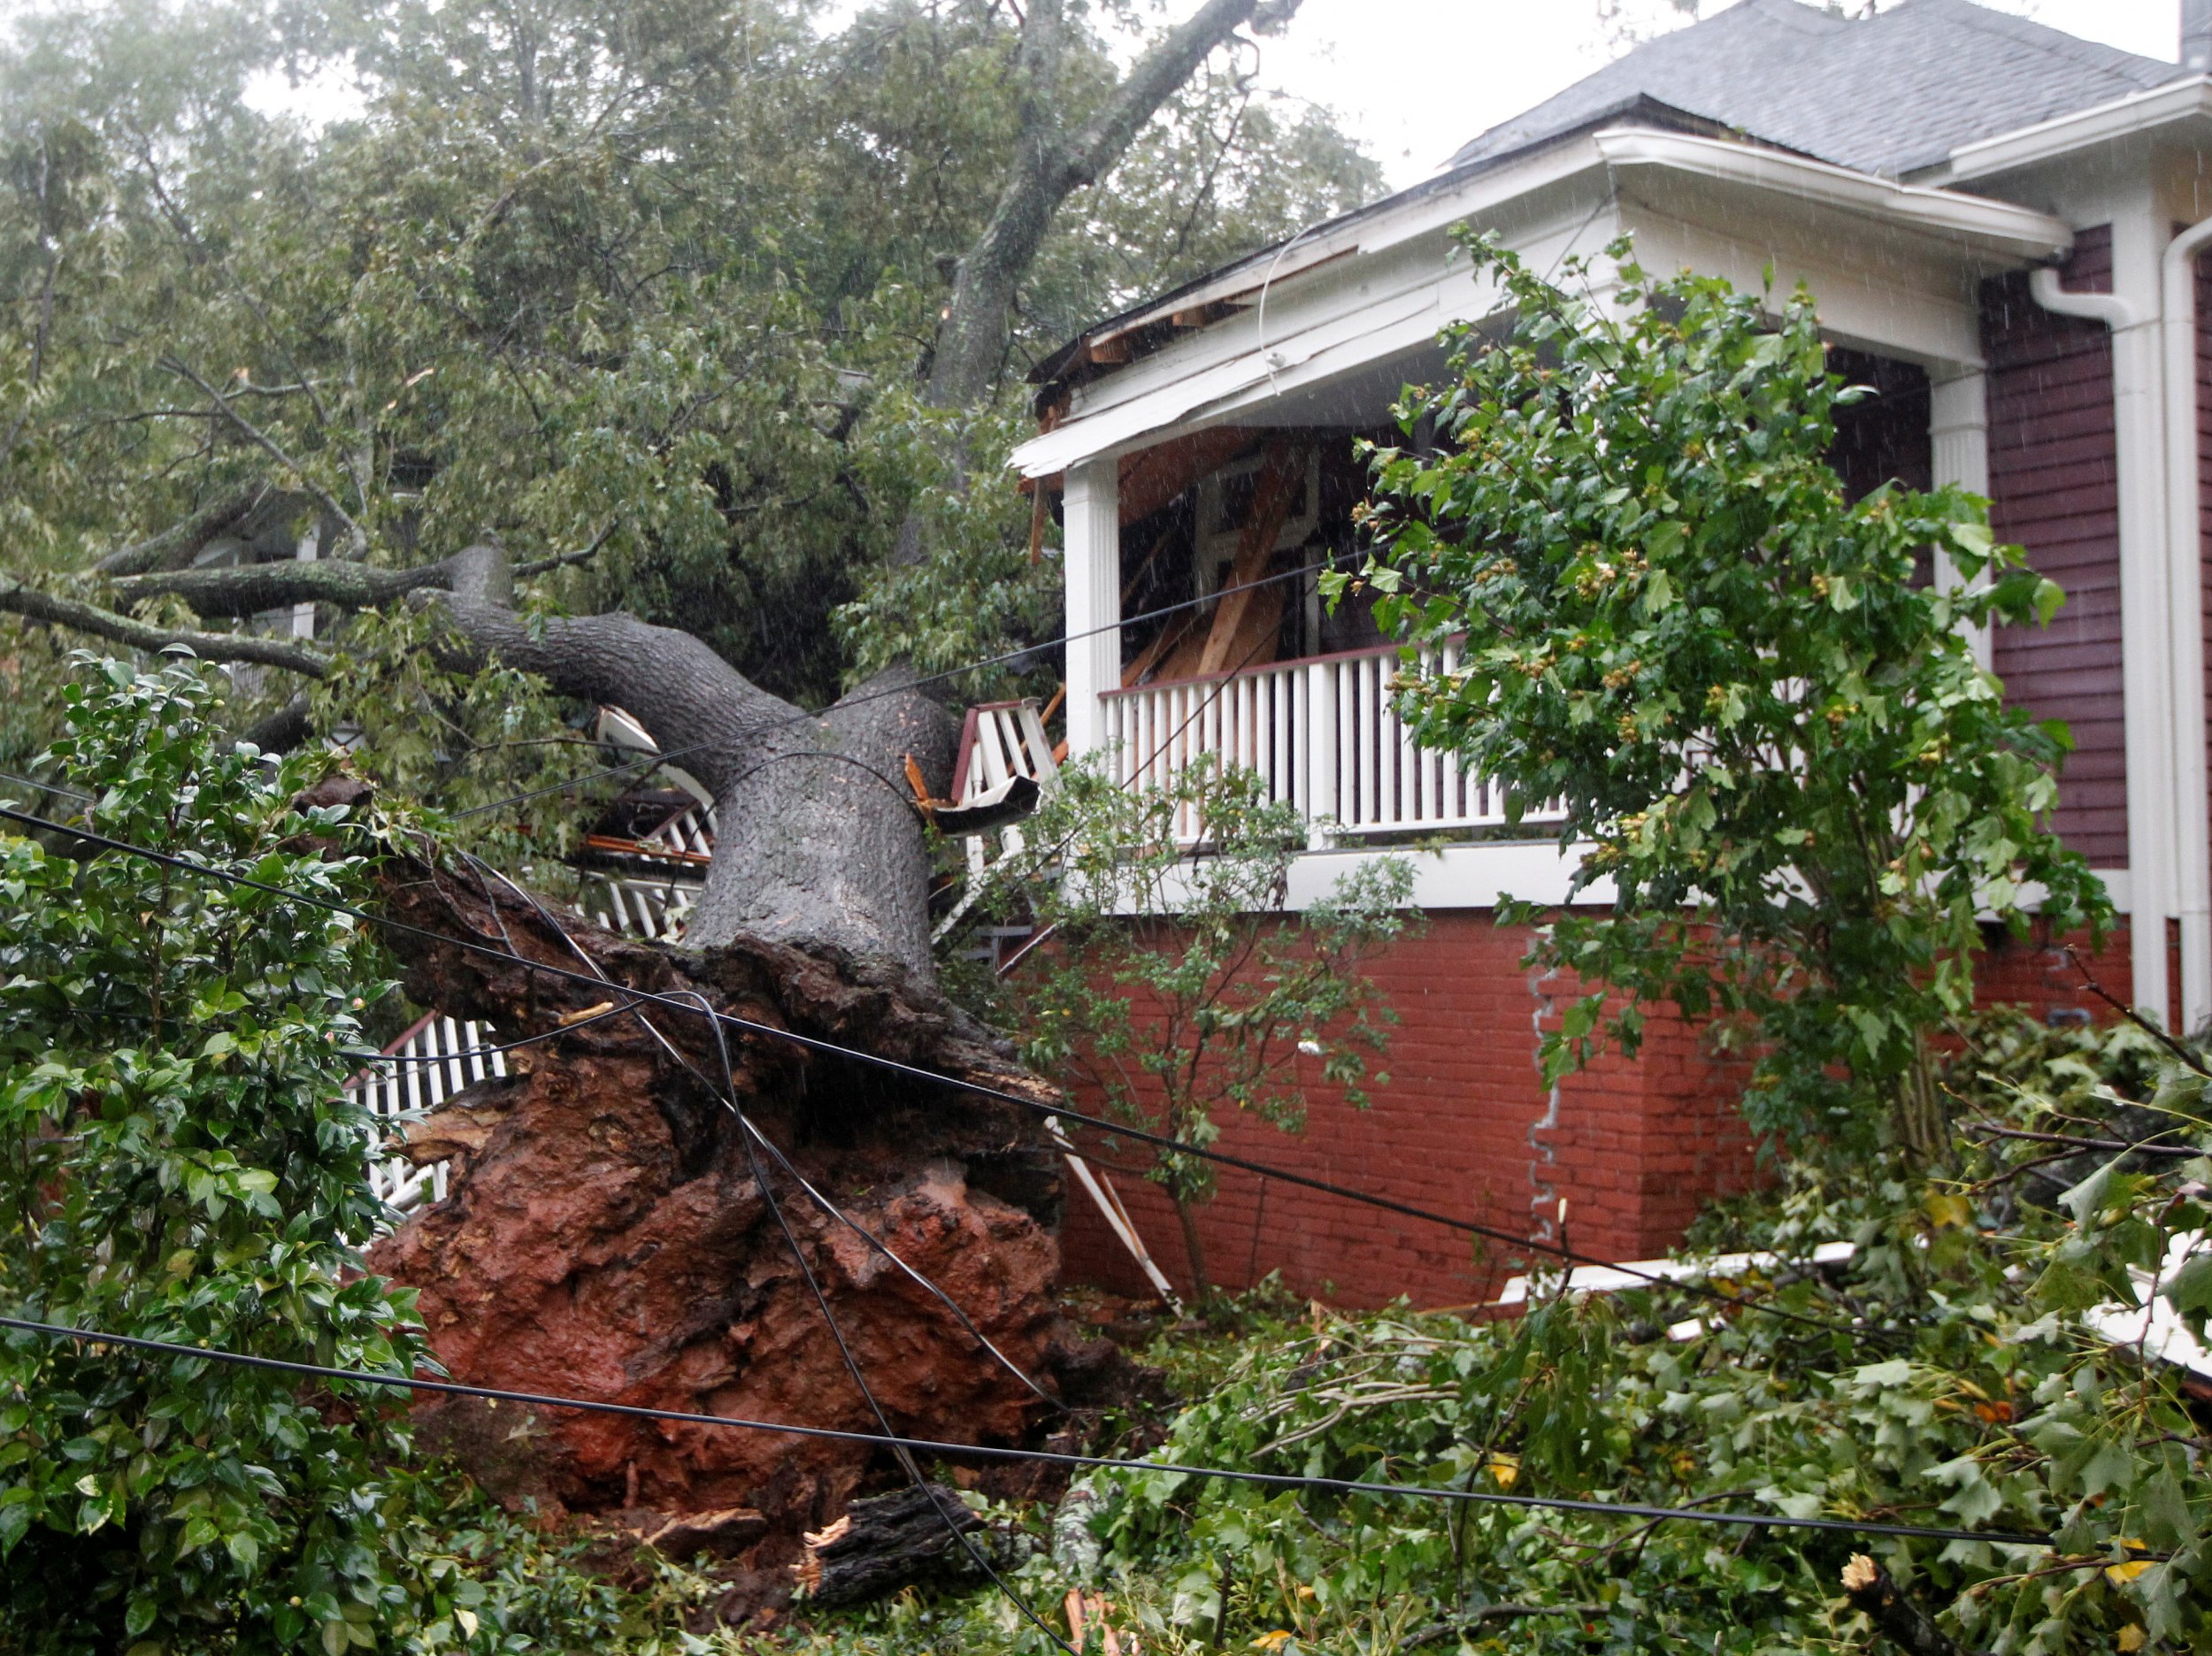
2004, 228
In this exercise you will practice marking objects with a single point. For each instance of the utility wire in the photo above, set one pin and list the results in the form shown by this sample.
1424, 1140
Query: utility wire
674, 754
928, 1076
47, 787
905, 1456
1050, 1457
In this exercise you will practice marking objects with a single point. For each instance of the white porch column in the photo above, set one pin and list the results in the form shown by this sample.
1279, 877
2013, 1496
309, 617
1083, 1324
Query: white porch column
1090, 510
1958, 435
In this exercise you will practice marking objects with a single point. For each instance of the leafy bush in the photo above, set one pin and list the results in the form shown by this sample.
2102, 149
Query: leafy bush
1971, 1384
1772, 735
180, 1163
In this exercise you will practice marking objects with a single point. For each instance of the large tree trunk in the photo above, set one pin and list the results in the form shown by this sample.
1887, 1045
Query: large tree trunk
819, 843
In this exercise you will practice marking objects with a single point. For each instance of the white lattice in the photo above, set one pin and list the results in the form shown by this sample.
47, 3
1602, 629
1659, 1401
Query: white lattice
424, 1067
652, 909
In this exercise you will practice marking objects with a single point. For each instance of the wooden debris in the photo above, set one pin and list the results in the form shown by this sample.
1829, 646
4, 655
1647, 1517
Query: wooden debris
884, 1543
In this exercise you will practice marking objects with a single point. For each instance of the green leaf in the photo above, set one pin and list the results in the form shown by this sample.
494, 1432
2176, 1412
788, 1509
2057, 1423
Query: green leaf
2189, 1290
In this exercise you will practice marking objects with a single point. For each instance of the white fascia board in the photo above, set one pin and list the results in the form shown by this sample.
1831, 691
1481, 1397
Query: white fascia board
1205, 372
2000, 226
1330, 306
2122, 118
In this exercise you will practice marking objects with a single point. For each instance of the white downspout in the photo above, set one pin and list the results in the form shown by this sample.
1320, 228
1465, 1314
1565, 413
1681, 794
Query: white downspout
2139, 421
2184, 575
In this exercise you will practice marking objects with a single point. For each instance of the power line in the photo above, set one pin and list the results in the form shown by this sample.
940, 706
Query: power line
907, 1463
652, 759
1051, 1457
928, 1076
47, 787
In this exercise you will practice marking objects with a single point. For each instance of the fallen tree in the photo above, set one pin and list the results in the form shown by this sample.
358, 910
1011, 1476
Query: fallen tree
609, 1227
551, 309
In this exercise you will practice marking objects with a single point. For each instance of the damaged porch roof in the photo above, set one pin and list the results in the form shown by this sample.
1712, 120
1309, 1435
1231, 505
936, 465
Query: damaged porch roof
1744, 123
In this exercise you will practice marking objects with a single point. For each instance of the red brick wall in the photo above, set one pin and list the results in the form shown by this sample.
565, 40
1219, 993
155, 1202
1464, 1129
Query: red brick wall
1466, 1128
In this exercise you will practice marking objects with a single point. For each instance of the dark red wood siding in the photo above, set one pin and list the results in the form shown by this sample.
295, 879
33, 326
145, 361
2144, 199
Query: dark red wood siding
2054, 489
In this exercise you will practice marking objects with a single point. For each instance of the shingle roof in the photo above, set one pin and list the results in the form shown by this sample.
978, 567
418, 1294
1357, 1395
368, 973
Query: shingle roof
1889, 95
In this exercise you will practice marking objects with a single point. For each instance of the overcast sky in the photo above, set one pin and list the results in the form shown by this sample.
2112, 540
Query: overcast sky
1413, 80
1416, 79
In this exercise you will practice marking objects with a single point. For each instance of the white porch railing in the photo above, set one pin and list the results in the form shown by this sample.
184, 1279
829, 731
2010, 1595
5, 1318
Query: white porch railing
1323, 733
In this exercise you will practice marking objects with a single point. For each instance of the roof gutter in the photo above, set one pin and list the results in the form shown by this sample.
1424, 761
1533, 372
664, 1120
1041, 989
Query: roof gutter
2018, 231
2106, 123
2185, 612
2143, 438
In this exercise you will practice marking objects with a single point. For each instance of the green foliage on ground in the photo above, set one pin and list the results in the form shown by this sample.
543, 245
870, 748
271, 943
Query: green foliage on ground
1237, 1005
1966, 1386
179, 1162
1773, 736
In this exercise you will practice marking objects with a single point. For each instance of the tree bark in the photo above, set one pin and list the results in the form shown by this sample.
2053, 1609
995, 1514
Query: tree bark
819, 843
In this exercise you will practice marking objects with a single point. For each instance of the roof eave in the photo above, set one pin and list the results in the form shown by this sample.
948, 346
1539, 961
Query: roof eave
1272, 263
2186, 99
2006, 231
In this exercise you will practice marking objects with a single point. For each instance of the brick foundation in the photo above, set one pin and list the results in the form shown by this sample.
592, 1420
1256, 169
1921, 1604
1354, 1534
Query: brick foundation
1465, 1127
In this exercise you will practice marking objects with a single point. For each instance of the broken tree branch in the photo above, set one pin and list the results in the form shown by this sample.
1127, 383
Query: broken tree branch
268, 445
247, 589
182, 540
34, 605
1897, 1618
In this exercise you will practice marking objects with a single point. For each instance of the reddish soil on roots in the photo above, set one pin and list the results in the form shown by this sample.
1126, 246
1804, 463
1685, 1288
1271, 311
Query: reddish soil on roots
605, 1236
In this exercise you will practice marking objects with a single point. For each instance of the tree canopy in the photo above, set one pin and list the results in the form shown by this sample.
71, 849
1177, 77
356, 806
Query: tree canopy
664, 275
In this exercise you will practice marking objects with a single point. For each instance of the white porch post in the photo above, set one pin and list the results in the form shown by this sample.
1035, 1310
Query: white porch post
1958, 433
1092, 512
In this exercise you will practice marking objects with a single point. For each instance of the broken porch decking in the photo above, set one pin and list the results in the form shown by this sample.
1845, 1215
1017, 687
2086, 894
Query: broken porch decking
1323, 733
